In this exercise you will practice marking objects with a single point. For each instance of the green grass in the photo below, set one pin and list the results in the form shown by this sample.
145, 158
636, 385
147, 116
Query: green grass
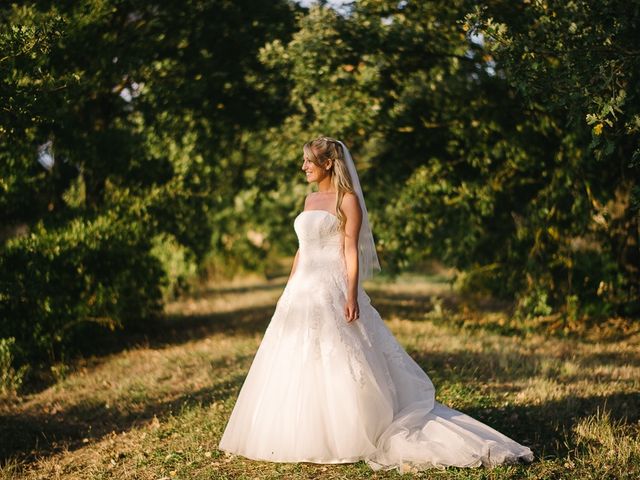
157, 408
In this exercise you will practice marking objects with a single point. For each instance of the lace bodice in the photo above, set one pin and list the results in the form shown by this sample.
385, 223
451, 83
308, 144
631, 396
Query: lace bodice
320, 241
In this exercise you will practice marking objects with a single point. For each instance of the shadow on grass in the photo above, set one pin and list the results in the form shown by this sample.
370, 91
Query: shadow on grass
546, 428
166, 331
33, 434
541, 427
37, 434
178, 329
420, 307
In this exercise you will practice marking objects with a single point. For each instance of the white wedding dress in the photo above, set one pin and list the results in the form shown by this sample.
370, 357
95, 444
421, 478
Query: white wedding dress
322, 390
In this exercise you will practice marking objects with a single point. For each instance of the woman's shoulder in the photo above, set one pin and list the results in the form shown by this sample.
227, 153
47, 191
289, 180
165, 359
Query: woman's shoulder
349, 199
351, 206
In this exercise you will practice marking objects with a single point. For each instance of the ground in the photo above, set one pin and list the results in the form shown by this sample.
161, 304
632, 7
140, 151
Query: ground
157, 408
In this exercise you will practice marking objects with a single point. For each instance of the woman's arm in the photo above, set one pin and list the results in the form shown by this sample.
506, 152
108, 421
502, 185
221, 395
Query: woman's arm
351, 208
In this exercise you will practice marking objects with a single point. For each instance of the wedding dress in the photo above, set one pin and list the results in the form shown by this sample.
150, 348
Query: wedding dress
323, 390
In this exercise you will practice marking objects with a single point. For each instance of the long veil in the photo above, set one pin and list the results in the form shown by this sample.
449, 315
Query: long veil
367, 255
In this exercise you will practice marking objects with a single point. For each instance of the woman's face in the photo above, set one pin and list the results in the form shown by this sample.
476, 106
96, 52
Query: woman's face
313, 172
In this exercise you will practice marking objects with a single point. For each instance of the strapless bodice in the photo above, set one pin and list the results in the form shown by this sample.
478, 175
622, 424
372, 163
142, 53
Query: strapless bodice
320, 241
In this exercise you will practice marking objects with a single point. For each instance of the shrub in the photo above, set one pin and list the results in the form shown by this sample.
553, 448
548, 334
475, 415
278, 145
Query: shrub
178, 262
54, 283
10, 378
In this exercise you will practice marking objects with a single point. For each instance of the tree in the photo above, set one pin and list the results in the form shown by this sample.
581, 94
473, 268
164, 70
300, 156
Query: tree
138, 110
460, 160
578, 62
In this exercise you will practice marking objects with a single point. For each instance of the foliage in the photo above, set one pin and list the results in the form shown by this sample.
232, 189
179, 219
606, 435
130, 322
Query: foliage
10, 379
55, 281
177, 261
469, 155
118, 132
498, 138
578, 63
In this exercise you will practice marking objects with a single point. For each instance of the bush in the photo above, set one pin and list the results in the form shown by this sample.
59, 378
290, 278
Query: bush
178, 262
10, 378
90, 272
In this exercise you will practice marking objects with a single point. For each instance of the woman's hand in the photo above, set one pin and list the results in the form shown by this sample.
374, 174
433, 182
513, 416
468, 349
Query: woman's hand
351, 310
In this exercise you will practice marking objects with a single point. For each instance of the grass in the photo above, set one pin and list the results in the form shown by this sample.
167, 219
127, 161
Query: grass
156, 409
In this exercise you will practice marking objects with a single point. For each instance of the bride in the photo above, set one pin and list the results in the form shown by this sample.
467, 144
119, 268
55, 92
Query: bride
329, 382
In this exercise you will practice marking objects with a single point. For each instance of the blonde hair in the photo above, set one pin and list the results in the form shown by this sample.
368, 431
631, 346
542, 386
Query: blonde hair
319, 152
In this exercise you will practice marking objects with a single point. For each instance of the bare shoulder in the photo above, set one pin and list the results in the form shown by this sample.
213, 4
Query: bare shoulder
350, 204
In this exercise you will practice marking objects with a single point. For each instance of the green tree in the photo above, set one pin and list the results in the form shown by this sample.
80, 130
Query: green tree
144, 109
461, 162
579, 63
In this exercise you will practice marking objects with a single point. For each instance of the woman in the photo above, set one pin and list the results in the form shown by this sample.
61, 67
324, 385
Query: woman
329, 382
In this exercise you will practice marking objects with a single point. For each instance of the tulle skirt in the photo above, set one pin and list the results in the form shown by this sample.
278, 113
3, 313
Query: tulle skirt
322, 390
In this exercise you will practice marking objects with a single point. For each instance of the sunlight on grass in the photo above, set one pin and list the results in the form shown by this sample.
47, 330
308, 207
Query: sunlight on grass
607, 444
